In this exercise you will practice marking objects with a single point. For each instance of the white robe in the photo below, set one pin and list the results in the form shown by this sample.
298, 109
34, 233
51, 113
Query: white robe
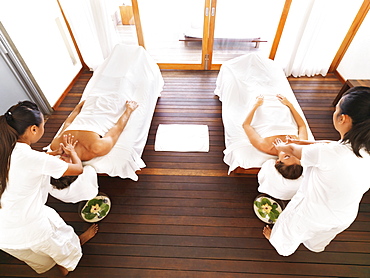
30, 230
327, 201
23, 201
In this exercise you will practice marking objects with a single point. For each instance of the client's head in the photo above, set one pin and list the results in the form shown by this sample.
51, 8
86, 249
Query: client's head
62, 182
288, 166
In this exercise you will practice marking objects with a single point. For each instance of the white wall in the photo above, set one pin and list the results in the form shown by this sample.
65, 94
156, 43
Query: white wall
33, 28
356, 62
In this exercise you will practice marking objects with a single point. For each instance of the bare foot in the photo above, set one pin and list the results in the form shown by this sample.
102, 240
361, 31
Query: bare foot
63, 270
88, 234
267, 231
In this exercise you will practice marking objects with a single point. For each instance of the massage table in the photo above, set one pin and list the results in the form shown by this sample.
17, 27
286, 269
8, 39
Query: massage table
239, 82
129, 73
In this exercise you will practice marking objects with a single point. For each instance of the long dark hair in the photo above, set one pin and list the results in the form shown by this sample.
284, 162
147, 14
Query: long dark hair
13, 124
356, 104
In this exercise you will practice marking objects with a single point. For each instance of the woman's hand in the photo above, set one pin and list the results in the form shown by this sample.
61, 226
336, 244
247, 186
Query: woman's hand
68, 144
290, 140
290, 149
259, 101
58, 151
74, 162
131, 105
280, 145
283, 100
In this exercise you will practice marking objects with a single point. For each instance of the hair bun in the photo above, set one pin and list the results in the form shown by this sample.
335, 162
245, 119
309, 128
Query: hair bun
8, 116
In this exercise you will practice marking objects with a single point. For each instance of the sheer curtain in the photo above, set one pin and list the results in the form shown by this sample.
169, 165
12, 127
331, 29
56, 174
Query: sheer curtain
313, 34
93, 28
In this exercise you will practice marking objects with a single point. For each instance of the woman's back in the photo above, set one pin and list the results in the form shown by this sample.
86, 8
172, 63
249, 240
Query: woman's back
336, 180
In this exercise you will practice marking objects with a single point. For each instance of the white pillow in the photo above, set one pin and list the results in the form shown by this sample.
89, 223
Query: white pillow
274, 184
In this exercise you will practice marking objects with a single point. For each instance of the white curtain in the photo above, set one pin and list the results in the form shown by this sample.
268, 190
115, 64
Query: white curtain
93, 28
313, 33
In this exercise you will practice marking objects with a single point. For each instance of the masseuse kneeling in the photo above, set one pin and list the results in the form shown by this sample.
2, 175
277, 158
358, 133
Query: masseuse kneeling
30, 230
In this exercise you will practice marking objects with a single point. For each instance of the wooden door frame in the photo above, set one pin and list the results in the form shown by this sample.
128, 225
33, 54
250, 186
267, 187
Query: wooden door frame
205, 40
361, 14
280, 28
208, 36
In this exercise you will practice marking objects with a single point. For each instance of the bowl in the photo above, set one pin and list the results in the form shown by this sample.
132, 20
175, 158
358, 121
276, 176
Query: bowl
95, 209
267, 208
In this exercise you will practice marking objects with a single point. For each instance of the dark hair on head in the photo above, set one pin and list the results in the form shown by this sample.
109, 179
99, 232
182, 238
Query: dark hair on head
22, 115
356, 104
13, 124
62, 182
291, 172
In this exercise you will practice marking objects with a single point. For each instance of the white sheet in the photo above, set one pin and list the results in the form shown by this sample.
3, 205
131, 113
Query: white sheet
84, 188
129, 73
274, 184
239, 82
182, 138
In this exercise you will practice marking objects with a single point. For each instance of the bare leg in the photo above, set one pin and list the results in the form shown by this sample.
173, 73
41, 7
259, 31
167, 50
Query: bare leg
84, 237
267, 231
63, 270
88, 234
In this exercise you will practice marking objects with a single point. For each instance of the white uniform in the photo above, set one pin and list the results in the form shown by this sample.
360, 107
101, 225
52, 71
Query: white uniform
30, 230
327, 202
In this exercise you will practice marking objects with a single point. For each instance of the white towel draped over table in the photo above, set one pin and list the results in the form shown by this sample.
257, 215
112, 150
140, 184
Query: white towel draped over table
129, 73
239, 82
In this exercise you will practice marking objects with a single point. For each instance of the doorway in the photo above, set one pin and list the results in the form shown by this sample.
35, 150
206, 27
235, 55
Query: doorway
202, 34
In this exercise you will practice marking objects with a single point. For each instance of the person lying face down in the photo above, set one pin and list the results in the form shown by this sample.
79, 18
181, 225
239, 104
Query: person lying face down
287, 165
91, 144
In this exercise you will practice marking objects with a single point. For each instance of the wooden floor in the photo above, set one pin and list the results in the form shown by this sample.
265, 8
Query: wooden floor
186, 217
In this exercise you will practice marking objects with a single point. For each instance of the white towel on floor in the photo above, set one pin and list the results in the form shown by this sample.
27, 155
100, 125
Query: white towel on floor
182, 138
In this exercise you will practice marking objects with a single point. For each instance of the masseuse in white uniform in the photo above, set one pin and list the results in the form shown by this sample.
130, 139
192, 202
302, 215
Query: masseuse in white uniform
336, 177
30, 230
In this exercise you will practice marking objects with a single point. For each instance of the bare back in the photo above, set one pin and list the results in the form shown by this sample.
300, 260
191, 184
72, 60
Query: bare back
91, 144
84, 147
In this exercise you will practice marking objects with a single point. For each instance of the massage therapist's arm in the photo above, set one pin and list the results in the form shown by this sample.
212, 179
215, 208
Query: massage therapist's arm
75, 166
290, 149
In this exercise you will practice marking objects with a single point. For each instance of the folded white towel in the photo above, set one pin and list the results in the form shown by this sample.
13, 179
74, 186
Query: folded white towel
182, 138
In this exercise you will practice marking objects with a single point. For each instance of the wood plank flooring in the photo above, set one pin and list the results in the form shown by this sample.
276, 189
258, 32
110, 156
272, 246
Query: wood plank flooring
186, 217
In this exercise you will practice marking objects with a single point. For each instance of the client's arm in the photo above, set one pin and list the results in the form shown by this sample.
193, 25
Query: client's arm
72, 116
256, 140
302, 129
